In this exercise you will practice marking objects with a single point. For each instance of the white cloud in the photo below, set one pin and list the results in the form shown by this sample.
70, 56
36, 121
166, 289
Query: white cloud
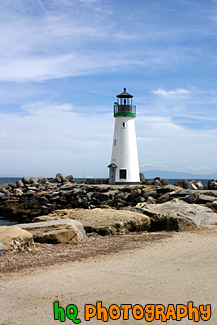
153, 165
208, 168
45, 138
179, 92
42, 41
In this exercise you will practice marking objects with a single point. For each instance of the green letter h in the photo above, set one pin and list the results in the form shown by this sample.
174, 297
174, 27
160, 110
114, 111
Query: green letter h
59, 312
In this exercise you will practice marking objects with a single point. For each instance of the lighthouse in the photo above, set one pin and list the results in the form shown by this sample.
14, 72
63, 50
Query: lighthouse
124, 166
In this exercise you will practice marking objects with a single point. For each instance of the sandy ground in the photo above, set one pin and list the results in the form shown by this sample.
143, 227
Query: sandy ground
170, 270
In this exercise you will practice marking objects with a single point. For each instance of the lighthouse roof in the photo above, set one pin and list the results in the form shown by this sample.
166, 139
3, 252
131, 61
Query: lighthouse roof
124, 94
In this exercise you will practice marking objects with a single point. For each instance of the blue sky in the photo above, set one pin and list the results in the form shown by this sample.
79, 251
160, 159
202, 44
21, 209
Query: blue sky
63, 61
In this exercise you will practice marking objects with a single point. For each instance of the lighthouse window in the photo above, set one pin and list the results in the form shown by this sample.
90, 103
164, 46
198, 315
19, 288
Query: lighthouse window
115, 142
123, 173
124, 124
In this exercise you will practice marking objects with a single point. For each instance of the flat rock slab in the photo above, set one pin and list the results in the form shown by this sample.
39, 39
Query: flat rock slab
65, 231
104, 221
14, 240
200, 215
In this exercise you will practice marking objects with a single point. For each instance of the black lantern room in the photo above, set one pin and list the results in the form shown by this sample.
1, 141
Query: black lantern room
123, 106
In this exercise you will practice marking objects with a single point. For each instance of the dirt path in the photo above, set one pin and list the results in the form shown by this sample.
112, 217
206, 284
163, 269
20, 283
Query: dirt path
173, 270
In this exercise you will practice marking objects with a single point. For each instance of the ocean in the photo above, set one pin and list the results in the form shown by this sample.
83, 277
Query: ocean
4, 180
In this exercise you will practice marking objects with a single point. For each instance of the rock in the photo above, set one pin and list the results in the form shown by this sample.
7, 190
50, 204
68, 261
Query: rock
183, 183
12, 185
142, 177
212, 184
163, 198
14, 240
3, 190
199, 185
179, 223
2, 195
65, 231
164, 181
59, 178
104, 221
26, 180
168, 222
181, 193
193, 185
38, 179
205, 199
32, 181
134, 194
158, 222
196, 185
157, 182
191, 198
151, 200
148, 182
5, 186
19, 183
153, 194
212, 206
70, 178
200, 215
18, 191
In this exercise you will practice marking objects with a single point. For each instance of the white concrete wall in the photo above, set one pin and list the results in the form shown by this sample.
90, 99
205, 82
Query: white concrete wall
124, 151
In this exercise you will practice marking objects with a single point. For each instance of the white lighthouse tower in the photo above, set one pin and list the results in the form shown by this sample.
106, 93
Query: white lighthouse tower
124, 166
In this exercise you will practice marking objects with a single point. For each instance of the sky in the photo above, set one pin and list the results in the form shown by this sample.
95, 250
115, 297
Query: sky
62, 62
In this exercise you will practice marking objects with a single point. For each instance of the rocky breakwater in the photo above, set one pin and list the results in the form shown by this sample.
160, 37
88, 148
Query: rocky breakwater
33, 197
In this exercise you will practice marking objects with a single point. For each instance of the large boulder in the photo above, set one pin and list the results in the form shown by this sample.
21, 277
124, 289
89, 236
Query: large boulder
199, 215
65, 231
104, 221
14, 240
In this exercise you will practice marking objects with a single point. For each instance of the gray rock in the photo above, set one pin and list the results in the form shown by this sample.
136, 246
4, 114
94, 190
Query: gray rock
5, 186
12, 185
70, 178
32, 181
163, 198
200, 215
206, 199
164, 181
26, 180
181, 193
59, 178
153, 194
3, 190
183, 183
18, 191
157, 182
151, 200
38, 179
191, 198
2, 195
19, 183
32, 188
212, 184
142, 177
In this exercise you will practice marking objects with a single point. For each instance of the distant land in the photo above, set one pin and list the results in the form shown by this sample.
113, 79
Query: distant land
176, 175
